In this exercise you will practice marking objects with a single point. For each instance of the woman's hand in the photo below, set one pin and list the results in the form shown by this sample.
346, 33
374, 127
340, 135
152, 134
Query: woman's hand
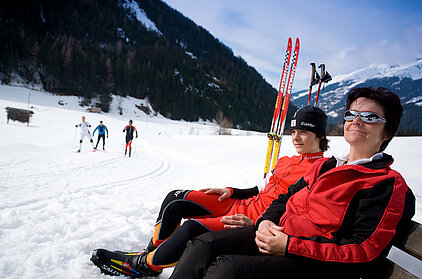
224, 193
271, 239
236, 221
265, 227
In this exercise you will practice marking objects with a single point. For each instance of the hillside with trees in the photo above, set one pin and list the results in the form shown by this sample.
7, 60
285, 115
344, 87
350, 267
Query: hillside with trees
95, 49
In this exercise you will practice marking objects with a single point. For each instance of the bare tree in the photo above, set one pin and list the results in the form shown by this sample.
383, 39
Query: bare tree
224, 124
119, 104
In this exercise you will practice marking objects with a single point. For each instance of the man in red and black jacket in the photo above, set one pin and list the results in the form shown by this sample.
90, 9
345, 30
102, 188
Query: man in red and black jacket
130, 130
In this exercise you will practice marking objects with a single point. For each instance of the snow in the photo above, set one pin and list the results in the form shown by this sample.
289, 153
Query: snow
414, 100
140, 15
412, 70
56, 205
121, 34
43, 20
191, 54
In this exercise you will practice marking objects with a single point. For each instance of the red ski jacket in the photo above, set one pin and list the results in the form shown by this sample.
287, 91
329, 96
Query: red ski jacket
252, 202
346, 214
286, 172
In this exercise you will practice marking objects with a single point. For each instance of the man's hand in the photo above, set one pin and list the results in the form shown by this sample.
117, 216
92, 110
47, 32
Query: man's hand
236, 221
223, 193
271, 239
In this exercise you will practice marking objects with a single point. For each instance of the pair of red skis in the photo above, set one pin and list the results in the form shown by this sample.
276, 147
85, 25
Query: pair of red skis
282, 101
281, 105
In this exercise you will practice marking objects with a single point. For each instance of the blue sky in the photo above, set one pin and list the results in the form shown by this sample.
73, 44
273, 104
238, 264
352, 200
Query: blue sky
345, 35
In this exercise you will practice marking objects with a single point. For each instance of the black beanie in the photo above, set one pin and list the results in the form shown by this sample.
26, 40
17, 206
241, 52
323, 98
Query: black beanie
311, 119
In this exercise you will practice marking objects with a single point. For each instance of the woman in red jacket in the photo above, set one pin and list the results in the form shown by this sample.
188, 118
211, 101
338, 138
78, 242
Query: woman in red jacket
218, 208
337, 221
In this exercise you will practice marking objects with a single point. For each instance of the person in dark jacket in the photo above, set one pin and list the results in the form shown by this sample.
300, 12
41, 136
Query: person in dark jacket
130, 130
215, 209
338, 221
102, 129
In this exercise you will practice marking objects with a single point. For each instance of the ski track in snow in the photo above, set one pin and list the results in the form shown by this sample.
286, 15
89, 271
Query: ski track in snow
159, 170
56, 205
58, 202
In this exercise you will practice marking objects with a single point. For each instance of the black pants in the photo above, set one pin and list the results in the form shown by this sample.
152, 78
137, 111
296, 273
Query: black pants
173, 209
128, 140
172, 249
100, 137
234, 254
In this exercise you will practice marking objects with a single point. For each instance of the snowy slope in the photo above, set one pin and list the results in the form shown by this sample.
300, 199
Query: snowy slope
375, 71
405, 81
133, 8
412, 70
56, 205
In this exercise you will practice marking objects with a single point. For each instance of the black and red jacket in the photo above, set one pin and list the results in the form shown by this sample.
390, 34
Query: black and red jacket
347, 214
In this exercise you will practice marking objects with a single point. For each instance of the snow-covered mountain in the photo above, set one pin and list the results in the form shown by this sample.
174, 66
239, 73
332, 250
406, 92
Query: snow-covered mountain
404, 80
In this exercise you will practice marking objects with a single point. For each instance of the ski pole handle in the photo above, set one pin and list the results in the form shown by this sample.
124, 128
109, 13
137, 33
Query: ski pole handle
322, 66
312, 82
326, 78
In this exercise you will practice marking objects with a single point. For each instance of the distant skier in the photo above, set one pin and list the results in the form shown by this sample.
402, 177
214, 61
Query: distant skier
129, 136
84, 132
102, 129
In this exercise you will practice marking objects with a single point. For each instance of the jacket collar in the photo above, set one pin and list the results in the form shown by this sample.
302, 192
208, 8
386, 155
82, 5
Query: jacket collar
313, 156
378, 161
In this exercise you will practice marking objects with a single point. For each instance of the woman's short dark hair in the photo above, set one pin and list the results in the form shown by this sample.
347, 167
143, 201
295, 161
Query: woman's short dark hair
388, 100
323, 143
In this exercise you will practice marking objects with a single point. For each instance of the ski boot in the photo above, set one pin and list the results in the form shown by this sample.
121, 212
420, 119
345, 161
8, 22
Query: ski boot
115, 263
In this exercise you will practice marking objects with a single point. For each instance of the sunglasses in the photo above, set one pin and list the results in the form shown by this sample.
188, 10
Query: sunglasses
365, 116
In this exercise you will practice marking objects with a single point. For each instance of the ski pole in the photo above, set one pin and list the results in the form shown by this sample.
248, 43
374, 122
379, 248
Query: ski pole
325, 77
314, 80
322, 66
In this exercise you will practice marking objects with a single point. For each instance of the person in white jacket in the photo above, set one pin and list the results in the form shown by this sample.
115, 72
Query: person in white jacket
84, 125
